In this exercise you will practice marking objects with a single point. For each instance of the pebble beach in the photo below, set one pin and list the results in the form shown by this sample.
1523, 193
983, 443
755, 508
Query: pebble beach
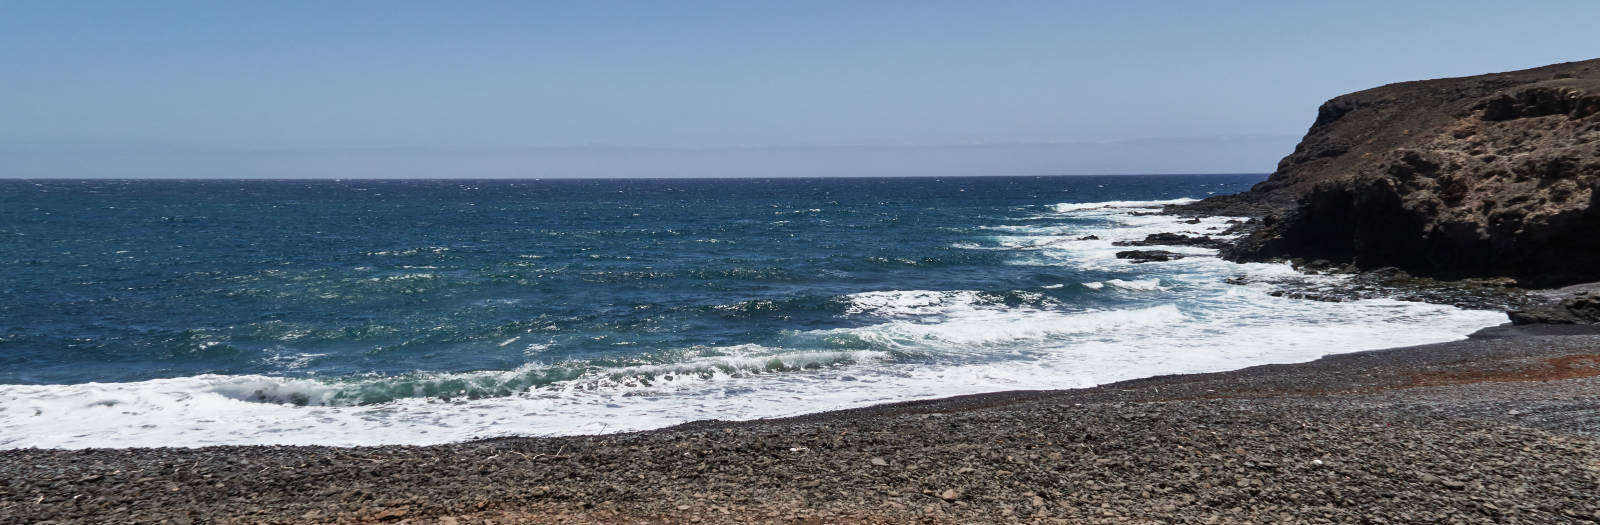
1500, 428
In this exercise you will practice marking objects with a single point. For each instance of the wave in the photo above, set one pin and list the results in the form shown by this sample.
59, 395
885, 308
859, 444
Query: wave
899, 359
373, 390
696, 364
946, 303
860, 366
1079, 206
909, 302
1141, 285
924, 324
967, 334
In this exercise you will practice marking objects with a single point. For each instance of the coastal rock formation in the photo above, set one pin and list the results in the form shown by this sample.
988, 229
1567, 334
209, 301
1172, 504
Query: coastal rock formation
1486, 176
1175, 239
1144, 256
1580, 309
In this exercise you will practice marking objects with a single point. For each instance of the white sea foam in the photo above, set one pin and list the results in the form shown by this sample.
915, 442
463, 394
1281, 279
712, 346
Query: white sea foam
1254, 329
909, 302
1122, 205
1094, 246
1143, 285
903, 345
997, 327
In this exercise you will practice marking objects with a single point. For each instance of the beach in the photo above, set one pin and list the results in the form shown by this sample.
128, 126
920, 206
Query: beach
1499, 428
819, 263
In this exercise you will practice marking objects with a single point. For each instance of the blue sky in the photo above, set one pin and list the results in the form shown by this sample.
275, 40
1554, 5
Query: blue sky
395, 88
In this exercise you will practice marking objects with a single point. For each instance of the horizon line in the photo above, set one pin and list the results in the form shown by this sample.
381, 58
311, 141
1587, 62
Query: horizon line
16, 146
732, 177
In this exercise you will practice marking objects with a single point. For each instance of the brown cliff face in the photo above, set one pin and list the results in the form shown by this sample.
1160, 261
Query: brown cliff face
1486, 176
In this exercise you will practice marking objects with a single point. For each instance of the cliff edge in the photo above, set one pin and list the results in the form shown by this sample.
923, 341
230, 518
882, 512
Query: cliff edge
1485, 176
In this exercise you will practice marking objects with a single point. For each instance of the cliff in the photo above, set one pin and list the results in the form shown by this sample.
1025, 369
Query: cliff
1486, 176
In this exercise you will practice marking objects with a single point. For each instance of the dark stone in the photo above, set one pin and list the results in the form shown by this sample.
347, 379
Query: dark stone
1144, 256
1175, 239
1581, 309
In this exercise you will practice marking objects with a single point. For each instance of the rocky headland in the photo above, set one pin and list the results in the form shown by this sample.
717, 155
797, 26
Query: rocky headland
1484, 181
1475, 177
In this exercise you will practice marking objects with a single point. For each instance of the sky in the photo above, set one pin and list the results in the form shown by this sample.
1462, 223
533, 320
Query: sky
753, 88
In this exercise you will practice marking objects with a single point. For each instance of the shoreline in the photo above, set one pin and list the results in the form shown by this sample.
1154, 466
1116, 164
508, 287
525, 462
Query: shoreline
1410, 434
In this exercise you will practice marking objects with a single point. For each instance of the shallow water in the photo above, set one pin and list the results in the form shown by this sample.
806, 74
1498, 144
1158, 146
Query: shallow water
409, 312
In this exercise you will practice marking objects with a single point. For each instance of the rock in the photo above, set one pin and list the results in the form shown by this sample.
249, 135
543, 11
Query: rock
1580, 309
1144, 256
1175, 239
1089, 238
1485, 176
880, 462
392, 514
950, 495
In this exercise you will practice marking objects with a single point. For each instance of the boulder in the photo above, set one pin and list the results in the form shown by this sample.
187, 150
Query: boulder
1176, 239
1144, 256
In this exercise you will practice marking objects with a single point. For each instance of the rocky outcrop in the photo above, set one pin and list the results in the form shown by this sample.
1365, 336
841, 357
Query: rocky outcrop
1145, 256
1487, 176
1176, 239
1583, 309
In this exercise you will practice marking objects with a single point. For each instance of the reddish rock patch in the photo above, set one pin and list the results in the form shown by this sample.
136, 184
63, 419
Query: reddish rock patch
1565, 367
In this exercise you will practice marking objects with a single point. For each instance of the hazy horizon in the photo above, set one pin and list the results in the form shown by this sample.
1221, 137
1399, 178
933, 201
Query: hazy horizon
420, 90
1147, 157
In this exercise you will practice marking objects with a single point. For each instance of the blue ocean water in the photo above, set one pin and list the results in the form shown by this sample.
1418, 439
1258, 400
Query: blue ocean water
418, 311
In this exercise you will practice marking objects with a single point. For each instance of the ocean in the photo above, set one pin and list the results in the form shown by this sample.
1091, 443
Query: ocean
366, 312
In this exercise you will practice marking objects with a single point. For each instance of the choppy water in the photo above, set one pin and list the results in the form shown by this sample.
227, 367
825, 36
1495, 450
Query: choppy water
143, 313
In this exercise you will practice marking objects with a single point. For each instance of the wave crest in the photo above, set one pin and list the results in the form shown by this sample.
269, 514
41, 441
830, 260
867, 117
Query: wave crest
1080, 206
695, 365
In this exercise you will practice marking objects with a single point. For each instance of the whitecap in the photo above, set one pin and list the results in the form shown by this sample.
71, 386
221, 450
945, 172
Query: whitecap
1077, 206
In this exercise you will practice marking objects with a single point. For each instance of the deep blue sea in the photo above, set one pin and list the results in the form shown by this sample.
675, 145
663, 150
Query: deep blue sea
422, 311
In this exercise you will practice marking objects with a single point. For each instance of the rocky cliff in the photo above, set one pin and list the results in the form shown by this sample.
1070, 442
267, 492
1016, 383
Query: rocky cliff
1485, 176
